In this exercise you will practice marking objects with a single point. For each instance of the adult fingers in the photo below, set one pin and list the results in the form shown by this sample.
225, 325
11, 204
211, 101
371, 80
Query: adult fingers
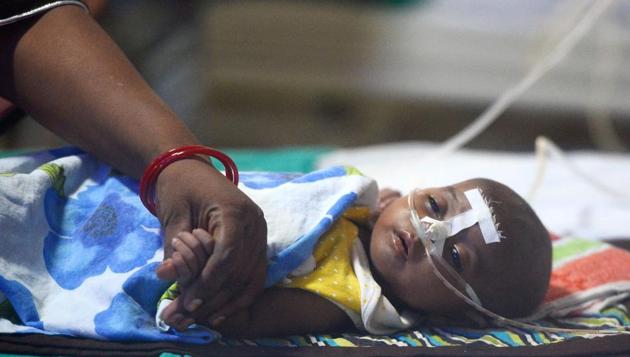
174, 316
166, 270
169, 312
210, 289
226, 281
201, 312
224, 259
233, 286
246, 297
244, 284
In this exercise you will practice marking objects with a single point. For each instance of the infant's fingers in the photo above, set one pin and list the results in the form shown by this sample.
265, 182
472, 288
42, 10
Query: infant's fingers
191, 250
206, 240
183, 271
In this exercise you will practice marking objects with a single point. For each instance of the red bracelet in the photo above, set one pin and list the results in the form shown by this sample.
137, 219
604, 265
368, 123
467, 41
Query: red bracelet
159, 163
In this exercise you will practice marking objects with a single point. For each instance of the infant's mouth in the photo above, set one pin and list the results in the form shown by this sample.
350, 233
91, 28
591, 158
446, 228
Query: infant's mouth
400, 244
404, 245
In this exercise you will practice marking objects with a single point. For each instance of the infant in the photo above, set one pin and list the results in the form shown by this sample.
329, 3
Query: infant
508, 275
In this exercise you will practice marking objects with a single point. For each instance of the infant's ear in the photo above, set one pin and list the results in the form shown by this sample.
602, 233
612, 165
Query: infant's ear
385, 197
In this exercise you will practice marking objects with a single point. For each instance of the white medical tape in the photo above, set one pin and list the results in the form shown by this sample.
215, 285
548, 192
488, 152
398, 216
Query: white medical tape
483, 216
439, 231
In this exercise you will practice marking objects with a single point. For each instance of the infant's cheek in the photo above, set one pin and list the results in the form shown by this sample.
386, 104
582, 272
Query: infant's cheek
378, 262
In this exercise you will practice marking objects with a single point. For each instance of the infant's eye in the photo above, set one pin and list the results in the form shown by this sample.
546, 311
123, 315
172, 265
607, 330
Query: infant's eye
457, 263
434, 206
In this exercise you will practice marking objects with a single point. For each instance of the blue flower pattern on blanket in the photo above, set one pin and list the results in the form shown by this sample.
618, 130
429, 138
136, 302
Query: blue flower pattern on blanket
26, 309
104, 226
131, 313
100, 246
262, 180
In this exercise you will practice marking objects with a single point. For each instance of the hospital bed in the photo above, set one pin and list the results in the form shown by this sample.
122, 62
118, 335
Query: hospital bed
568, 205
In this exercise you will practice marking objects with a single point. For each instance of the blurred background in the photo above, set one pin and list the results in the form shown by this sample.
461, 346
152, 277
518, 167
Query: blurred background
259, 74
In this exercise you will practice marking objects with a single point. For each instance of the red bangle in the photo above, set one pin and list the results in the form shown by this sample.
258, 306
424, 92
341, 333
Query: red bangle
159, 163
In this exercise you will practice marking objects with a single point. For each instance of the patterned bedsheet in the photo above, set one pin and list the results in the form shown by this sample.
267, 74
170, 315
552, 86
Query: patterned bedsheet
615, 316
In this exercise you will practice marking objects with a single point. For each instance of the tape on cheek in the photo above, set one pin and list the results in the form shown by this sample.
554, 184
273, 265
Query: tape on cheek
415, 220
483, 215
439, 231
421, 226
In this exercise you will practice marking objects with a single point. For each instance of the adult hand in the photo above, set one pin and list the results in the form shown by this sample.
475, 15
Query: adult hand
192, 194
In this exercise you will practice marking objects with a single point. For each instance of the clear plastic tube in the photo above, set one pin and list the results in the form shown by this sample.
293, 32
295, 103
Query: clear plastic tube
545, 148
472, 299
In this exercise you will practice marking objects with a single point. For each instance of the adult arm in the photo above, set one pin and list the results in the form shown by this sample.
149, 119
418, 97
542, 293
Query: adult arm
68, 74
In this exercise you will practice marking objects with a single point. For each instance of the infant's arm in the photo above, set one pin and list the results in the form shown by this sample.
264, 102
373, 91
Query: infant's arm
279, 311
285, 311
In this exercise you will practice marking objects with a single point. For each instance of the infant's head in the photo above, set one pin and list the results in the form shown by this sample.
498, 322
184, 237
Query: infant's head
510, 277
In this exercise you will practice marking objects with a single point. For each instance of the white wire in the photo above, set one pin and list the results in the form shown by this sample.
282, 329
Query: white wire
561, 20
538, 71
545, 148
598, 119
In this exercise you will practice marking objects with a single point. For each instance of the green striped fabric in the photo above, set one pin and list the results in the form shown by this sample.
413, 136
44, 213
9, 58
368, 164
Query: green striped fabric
615, 316
566, 250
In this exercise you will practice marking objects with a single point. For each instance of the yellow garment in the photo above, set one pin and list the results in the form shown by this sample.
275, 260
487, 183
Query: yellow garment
333, 276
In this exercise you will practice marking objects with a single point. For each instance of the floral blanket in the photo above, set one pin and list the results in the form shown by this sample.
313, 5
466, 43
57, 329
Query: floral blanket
78, 250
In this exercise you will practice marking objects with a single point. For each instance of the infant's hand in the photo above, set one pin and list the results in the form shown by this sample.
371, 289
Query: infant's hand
190, 254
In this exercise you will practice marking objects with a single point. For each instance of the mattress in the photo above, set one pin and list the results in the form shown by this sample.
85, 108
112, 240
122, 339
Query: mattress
567, 205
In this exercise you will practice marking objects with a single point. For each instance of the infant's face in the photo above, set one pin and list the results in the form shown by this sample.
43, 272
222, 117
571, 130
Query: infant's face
399, 257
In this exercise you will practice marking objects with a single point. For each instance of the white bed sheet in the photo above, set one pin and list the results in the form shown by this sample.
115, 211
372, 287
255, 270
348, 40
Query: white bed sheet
566, 204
